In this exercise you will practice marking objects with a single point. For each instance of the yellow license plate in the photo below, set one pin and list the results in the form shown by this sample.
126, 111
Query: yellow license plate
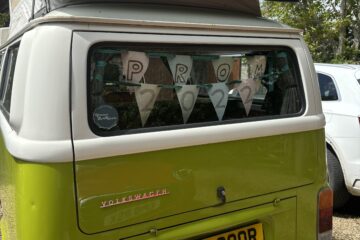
253, 232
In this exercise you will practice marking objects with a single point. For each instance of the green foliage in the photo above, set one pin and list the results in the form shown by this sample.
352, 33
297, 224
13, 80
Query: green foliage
4, 19
331, 28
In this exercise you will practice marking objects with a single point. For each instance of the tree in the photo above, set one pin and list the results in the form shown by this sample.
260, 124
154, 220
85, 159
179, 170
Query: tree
331, 27
4, 19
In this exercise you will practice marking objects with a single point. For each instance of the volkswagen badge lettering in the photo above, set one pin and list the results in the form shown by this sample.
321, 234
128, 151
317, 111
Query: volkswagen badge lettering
134, 198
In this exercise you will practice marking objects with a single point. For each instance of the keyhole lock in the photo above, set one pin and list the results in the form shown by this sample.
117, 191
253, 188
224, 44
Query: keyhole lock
221, 194
154, 231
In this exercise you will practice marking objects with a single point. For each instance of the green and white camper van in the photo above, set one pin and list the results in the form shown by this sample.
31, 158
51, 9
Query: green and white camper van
161, 120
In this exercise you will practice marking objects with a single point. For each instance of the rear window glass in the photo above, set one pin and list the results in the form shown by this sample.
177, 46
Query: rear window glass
135, 88
2, 56
327, 88
1, 59
9, 76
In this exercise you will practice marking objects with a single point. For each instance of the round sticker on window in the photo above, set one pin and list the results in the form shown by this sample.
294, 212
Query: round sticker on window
105, 117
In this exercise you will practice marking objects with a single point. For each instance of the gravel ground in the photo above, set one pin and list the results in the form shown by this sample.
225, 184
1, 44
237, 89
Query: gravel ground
347, 221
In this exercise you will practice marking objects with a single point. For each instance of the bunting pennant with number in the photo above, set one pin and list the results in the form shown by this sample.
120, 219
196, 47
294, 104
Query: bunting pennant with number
180, 67
223, 67
146, 96
257, 65
187, 96
135, 65
219, 95
247, 89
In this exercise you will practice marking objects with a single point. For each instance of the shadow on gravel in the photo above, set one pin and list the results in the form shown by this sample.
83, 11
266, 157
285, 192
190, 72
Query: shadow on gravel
350, 210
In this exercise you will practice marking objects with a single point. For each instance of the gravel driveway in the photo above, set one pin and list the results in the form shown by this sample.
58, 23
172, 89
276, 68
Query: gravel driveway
347, 221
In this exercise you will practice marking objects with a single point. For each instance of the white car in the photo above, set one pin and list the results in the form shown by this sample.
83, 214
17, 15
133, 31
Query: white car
340, 93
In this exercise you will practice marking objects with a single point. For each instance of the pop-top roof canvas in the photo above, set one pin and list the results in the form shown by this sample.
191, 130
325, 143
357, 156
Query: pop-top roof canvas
21, 10
248, 6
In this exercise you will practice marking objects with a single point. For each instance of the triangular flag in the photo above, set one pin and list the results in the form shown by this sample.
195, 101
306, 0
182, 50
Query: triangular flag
135, 65
247, 90
180, 67
223, 67
219, 95
146, 96
187, 96
257, 65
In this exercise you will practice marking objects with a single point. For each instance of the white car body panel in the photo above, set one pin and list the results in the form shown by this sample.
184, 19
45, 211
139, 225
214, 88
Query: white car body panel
342, 120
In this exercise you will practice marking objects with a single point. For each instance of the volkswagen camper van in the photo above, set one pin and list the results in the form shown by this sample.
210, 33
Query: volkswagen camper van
160, 120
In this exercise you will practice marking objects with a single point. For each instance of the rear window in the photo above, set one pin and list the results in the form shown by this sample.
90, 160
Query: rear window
1, 58
146, 88
9, 69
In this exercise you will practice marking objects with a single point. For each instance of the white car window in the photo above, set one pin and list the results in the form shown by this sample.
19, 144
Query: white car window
357, 76
327, 88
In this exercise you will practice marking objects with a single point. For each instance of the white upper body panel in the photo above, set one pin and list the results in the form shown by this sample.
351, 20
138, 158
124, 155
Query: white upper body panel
49, 86
88, 145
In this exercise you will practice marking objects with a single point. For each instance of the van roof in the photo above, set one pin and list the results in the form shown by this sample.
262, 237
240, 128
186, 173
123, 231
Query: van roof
161, 14
251, 7
169, 16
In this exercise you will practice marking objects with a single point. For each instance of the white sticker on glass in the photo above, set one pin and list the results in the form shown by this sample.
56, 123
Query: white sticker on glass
180, 67
218, 94
247, 90
105, 117
135, 65
187, 96
223, 67
146, 96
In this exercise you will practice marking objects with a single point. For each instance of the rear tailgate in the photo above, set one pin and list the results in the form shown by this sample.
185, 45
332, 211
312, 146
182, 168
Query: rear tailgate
168, 176
129, 190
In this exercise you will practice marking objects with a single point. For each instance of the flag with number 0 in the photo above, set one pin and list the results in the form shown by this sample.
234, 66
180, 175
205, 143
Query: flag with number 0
187, 96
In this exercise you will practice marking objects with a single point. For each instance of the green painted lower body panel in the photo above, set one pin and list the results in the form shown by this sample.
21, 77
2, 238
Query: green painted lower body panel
191, 177
40, 200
